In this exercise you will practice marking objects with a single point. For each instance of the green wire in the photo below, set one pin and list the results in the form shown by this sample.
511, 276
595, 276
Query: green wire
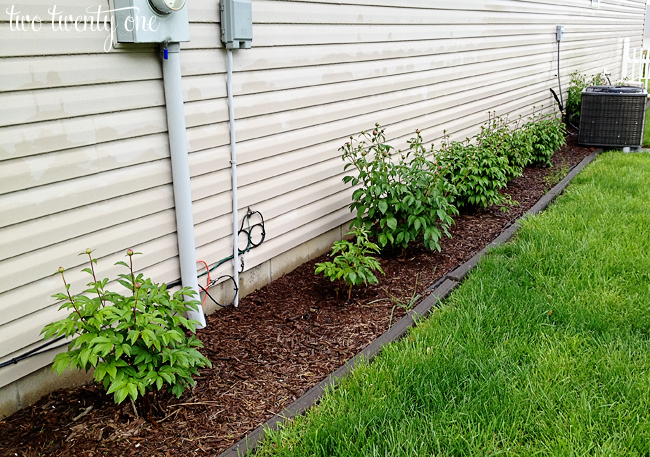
249, 244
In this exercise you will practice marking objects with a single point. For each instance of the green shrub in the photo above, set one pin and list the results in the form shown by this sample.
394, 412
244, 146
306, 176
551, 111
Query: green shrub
137, 342
503, 139
548, 134
397, 201
353, 263
476, 173
519, 149
574, 94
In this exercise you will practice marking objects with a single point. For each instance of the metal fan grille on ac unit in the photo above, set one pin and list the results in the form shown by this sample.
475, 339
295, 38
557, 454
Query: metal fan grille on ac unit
612, 116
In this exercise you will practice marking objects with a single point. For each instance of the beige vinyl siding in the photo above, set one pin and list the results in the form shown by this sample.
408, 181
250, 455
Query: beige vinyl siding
84, 158
83, 162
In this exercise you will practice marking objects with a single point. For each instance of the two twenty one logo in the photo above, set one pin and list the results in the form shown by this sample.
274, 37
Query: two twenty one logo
95, 21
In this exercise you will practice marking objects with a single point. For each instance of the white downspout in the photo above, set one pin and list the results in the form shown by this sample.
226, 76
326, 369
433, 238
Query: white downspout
233, 165
181, 173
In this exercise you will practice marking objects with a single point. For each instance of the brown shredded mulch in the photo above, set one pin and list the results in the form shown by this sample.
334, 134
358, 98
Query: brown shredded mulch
280, 342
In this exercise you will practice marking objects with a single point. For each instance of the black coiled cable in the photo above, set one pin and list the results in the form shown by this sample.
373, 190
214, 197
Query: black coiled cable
248, 230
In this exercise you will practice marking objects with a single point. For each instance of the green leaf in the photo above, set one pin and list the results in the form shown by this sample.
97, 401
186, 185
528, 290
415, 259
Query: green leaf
100, 339
382, 239
383, 206
85, 355
392, 223
125, 283
177, 390
111, 369
61, 362
120, 395
133, 391
100, 371
115, 385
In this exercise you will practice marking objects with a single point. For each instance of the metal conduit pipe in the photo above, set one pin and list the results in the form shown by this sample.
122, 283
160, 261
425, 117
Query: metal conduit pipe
233, 166
181, 173
559, 36
559, 81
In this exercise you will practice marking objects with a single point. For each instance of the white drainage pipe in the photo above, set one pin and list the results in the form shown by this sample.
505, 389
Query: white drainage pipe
181, 173
233, 165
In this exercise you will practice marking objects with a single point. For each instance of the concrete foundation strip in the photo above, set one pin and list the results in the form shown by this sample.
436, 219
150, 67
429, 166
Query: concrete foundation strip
439, 291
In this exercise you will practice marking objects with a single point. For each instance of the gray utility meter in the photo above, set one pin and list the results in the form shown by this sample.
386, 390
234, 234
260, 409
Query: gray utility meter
237, 23
150, 21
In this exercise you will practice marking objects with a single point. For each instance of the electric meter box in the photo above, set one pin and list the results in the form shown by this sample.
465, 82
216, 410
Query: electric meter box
237, 23
150, 21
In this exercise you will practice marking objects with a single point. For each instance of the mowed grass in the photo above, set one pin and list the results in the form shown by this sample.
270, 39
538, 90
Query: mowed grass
543, 350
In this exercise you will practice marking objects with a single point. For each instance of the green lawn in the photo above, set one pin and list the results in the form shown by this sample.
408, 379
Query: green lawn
544, 349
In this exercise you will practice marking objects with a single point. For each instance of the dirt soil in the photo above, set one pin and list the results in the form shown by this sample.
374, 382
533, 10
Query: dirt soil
280, 342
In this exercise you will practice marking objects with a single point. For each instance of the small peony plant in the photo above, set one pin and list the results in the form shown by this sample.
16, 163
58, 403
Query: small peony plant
353, 262
136, 342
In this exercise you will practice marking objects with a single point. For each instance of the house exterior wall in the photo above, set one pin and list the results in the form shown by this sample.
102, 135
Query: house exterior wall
84, 157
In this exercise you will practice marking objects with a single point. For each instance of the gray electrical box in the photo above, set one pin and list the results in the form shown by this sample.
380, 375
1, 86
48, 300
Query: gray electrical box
237, 23
559, 32
150, 21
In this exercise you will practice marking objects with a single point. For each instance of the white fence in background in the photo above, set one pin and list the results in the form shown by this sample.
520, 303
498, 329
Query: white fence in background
639, 63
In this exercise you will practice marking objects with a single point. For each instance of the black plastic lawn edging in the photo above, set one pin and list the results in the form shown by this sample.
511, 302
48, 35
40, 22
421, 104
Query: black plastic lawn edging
439, 291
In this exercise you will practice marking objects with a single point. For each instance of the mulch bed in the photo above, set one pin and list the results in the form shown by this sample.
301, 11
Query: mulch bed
280, 342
